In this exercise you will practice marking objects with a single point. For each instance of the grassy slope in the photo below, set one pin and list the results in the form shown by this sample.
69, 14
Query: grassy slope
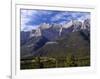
74, 44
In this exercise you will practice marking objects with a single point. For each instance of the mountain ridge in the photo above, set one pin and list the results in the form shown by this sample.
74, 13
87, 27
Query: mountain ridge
47, 35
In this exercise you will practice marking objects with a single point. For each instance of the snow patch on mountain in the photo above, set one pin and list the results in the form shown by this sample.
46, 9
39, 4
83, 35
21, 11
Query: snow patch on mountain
35, 32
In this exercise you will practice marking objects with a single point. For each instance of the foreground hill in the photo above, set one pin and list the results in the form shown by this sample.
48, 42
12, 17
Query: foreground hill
70, 51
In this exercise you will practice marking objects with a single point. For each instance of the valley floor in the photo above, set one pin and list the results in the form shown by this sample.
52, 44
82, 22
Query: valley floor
50, 62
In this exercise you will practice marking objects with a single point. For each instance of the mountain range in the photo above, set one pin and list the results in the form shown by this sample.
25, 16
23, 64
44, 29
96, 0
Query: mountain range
56, 40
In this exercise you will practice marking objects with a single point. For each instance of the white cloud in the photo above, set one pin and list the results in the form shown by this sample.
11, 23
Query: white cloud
26, 17
82, 18
65, 16
29, 28
71, 15
75, 14
59, 16
28, 12
63, 22
41, 12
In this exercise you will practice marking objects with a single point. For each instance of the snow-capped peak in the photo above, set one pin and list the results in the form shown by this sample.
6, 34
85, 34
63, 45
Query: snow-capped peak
35, 32
77, 25
44, 26
72, 26
67, 25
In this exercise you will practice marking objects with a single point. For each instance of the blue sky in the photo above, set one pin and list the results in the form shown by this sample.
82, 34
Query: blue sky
31, 18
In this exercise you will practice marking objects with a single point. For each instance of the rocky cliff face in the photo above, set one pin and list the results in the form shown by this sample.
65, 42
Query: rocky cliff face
55, 30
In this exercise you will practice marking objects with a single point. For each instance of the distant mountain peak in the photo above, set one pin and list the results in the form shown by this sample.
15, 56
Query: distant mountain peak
86, 24
54, 30
35, 32
44, 26
77, 25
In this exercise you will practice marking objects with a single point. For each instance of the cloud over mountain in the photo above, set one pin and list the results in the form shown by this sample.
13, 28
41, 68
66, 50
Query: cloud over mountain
32, 18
